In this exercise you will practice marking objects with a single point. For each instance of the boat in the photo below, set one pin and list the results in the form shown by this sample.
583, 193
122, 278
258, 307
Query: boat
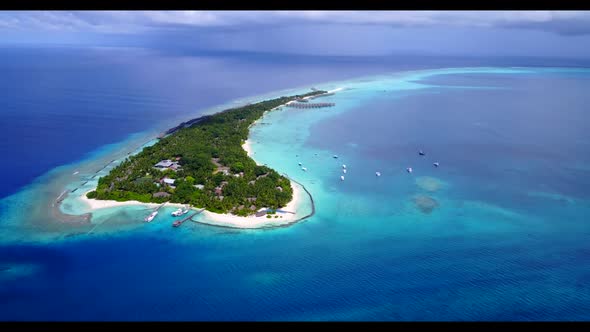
421, 153
378, 173
344, 171
151, 216
177, 212
185, 211
176, 223
304, 169
409, 169
300, 164
335, 156
343, 166
76, 172
341, 177
436, 164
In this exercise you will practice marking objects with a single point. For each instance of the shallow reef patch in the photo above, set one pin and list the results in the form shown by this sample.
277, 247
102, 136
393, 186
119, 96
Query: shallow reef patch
429, 183
425, 203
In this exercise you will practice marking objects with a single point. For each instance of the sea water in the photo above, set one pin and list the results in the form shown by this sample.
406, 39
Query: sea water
498, 232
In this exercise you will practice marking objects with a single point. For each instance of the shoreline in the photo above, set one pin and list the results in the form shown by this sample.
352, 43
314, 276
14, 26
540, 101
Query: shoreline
289, 214
97, 204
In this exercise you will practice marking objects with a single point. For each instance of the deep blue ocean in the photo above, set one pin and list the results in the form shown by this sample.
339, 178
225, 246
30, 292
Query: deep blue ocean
507, 238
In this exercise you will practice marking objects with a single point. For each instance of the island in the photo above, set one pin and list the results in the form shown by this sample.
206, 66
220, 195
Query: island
202, 163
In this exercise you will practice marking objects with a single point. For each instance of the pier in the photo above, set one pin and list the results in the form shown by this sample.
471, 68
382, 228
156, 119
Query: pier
159, 207
310, 105
179, 222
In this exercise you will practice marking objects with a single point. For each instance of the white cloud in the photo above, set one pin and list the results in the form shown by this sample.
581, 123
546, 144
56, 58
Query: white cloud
139, 21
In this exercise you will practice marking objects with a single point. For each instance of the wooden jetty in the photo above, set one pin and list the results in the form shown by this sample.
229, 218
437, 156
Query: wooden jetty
310, 105
179, 222
159, 207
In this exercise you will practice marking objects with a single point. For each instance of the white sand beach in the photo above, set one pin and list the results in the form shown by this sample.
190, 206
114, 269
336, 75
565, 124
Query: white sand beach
247, 146
335, 90
230, 220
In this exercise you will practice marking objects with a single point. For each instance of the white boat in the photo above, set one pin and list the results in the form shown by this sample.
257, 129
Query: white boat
300, 164
304, 169
343, 166
409, 169
378, 173
76, 172
151, 216
185, 211
436, 164
344, 171
341, 177
177, 212
335, 156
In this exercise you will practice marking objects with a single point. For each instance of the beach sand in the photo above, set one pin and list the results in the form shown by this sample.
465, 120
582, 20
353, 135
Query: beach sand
230, 220
247, 146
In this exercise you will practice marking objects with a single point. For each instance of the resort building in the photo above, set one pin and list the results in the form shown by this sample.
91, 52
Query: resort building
168, 181
167, 164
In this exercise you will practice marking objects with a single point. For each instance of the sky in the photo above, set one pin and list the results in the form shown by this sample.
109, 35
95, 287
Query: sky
347, 33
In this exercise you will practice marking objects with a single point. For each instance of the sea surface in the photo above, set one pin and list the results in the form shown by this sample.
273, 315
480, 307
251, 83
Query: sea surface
499, 231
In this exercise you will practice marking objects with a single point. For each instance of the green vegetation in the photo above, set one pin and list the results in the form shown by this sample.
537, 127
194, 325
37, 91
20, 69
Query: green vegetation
215, 172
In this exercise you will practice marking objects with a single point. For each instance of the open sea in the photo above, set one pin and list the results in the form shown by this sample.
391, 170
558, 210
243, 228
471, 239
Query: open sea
499, 231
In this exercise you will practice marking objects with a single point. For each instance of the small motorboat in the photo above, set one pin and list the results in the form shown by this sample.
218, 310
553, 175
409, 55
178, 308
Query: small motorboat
177, 212
421, 153
436, 164
344, 171
151, 216
341, 177
343, 166
300, 164
378, 173
304, 169
409, 169
335, 156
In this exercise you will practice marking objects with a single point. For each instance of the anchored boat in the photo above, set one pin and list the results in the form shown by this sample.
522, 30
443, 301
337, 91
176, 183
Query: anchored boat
151, 216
